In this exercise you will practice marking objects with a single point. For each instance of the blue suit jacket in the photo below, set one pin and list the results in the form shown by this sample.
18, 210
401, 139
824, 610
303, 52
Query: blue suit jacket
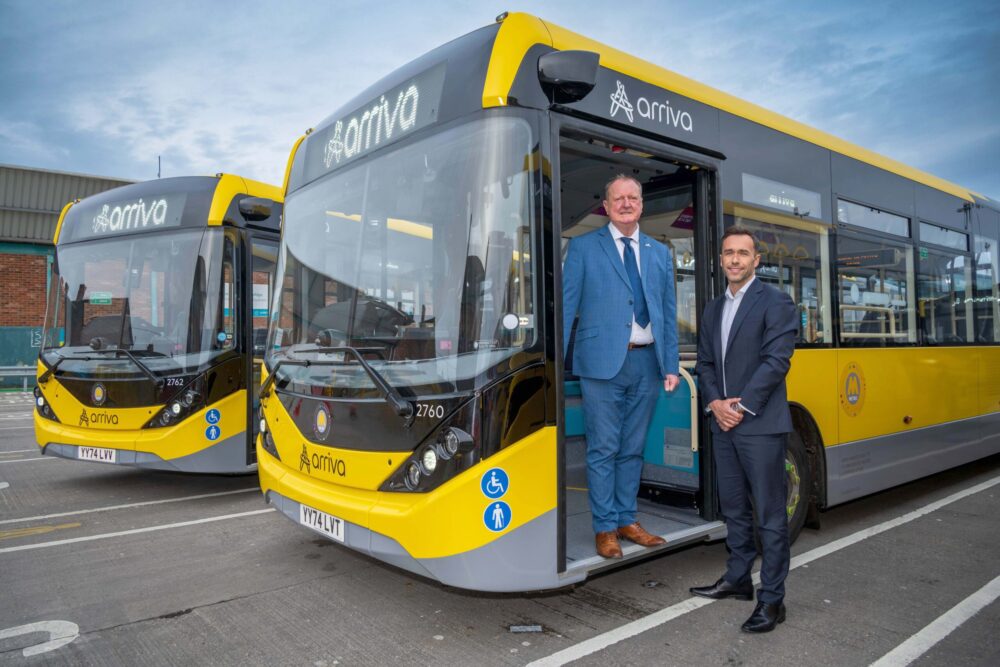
758, 356
596, 286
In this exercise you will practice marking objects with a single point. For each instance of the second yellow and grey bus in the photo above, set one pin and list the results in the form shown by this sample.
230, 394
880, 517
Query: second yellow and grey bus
155, 325
417, 406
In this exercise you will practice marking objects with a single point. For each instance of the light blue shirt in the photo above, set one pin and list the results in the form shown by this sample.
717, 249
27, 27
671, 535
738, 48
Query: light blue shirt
729, 309
640, 335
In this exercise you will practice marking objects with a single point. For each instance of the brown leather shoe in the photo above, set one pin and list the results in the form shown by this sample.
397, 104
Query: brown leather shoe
607, 545
636, 533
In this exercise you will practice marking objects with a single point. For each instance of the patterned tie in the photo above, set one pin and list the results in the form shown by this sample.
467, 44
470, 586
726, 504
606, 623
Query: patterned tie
639, 307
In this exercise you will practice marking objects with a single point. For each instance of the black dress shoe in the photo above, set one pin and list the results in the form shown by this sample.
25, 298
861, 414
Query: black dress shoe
765, 617
723, 589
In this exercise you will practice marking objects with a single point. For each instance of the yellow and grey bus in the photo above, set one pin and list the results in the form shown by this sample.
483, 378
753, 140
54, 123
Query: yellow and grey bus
417, 406
155, 325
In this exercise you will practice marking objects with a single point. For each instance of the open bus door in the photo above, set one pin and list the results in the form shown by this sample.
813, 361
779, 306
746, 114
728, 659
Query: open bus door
259, 289
677, 495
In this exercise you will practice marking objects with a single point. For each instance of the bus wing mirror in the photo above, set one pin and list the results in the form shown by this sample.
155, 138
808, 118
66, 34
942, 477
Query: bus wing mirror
255, 209
567, 76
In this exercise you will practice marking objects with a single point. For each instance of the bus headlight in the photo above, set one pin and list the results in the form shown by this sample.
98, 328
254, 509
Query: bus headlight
412, 477
185, 402
429, 461
263, 425
44, 409
447, 451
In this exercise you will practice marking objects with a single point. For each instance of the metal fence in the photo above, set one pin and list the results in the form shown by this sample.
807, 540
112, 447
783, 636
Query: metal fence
26, 373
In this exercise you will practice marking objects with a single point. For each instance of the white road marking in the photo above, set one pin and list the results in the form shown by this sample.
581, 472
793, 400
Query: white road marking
39, 458
60, 634
18, 451
136, 531
923, 641
611, 637
44, 517
4, 485
16, 428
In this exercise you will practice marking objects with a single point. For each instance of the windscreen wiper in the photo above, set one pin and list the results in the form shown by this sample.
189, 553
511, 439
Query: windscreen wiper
118, 351
400, 405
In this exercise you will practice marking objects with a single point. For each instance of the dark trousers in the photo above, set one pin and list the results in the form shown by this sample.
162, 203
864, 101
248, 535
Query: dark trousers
754, 466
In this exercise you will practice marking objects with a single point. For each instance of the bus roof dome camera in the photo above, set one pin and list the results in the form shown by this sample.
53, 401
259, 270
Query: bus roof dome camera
568, 76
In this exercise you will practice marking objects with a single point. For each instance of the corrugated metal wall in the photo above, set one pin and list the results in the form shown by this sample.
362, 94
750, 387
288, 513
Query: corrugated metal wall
31, 199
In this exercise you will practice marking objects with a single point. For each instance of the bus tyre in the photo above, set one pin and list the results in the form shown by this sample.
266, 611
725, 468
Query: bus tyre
798, 476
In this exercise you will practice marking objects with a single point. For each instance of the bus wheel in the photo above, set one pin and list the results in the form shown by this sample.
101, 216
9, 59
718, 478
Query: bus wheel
800, 484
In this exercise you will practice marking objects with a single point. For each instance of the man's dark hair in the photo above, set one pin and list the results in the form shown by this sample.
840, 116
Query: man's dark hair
738, 230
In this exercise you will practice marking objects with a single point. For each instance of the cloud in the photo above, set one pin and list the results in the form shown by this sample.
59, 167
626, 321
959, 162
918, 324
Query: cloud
29, 142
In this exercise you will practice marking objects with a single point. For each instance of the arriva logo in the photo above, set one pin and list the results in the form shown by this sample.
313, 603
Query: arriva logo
659, 112
97, 418
321, 462
137, 215
619, 100
370, 128
304, 461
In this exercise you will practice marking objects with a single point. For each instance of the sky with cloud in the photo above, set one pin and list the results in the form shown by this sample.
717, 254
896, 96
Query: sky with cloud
105, 87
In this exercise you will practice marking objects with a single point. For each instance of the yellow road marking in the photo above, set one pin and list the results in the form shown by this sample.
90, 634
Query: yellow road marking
35, 530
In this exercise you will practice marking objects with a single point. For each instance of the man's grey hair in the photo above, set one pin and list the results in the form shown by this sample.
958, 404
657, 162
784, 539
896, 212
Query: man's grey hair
620, 177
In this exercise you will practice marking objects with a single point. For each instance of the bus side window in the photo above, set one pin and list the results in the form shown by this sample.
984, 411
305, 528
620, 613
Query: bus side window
987, 289
794, 257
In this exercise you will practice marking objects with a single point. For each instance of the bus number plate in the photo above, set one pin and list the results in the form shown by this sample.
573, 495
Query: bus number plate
96, 454
322, 522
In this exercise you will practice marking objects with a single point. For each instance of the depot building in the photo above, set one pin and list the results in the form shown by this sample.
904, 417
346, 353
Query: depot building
30, 203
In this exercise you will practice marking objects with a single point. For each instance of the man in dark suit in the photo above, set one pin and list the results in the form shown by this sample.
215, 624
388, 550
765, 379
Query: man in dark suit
745, 344
621, 283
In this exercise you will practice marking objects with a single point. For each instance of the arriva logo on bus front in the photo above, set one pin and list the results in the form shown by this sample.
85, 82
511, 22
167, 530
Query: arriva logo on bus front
138, 215
358, 135
660, 112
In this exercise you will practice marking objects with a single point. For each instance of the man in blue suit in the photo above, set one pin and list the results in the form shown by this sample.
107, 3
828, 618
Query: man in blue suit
621, 283
745, 343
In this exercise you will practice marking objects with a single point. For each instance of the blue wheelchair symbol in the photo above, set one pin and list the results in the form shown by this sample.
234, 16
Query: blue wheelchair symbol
494, 483
213, 432
212, 416
497, 516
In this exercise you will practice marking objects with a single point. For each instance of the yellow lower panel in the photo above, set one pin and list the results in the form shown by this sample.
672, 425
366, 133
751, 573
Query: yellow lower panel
191, 435
811, 383
444, 522
48, 431
881, 392
169, 442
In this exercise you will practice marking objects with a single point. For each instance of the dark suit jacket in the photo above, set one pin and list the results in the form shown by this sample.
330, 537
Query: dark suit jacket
758, 355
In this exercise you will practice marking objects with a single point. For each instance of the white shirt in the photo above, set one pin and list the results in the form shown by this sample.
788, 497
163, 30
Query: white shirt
639, 335
729, 309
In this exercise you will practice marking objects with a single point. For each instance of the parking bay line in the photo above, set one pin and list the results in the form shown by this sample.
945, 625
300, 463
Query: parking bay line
134, 531
127, 506
40, 458
611, 637
944, 625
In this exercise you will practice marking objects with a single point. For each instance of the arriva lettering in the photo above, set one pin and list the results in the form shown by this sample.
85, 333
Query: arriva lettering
327, 463
659, 112
137, 215
355, 135
98, 418
662, 112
